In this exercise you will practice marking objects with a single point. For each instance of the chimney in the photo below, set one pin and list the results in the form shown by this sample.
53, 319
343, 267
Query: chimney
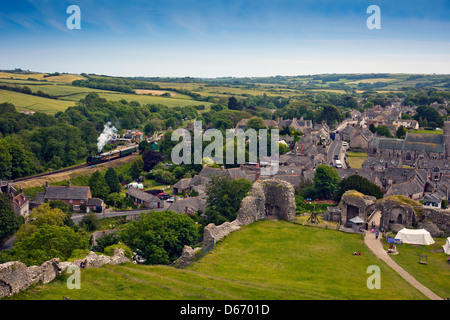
301, 150
68, 184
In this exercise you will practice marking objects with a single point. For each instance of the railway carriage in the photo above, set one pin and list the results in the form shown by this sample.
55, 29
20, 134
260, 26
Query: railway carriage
107, 156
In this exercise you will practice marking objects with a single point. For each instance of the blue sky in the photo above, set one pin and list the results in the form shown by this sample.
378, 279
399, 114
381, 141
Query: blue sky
225, 37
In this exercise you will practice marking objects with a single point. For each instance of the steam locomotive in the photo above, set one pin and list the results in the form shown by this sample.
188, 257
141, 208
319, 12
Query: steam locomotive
106, 156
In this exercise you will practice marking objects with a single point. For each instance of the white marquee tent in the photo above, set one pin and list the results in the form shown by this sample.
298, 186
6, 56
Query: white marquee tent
446, 246
415, 236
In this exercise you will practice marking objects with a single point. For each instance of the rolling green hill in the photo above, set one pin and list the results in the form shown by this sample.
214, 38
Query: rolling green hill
268, 260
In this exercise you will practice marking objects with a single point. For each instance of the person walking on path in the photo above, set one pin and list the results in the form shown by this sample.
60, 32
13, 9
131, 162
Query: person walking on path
374, 244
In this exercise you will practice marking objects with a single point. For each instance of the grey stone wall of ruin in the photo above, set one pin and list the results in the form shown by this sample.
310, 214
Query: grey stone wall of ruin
15, 276
396, 215
271, 197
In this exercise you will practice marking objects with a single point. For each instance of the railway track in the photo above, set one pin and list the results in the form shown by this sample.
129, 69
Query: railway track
46, 174
74, 168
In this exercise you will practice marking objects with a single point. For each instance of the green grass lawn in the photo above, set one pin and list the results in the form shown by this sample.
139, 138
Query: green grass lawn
275, 260
428, 131
356, 159
436, 274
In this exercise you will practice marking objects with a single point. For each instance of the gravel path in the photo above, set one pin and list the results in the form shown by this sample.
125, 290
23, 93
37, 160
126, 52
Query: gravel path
377, 248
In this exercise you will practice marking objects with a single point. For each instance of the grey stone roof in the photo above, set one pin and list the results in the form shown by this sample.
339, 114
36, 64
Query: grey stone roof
66, 193
95, 202
141, 195
188, 205
412, 142
182, 184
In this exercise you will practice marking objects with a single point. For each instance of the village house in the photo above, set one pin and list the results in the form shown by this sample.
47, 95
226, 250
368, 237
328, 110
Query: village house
296, 124
21, 205
143, 199
72, 196
188, 205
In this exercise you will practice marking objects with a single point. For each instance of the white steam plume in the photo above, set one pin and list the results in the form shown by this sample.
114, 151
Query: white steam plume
108, 132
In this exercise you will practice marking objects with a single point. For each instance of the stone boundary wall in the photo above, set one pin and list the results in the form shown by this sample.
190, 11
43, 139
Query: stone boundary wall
15, 276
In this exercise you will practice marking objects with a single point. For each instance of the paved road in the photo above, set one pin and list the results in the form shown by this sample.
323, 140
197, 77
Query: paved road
377, 248
334, 149
76, 217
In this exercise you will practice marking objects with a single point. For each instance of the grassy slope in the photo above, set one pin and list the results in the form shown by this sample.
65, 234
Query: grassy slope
67, 94
266, 260
34, 103
436, 274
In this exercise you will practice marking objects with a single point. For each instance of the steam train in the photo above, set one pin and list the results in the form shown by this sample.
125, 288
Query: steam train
106, 156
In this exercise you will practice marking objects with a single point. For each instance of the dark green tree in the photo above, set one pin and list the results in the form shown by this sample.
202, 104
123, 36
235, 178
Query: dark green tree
151, 158
401, 132
9, 223
135, 172
234, 104
224, 198
98, 185
358, 183
326, 181
160, 236
112, 180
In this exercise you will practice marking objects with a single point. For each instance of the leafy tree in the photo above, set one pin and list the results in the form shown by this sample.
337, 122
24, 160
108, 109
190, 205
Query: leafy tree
160, 236
44, 214
151, 158
326, 181
5, 162
8, 220
48, 242
98, 185
256, 123
383, 130
135, 172
89, 222
283, 148
430, 115
358, 183
112, 180
224, 198
401, 132
234, 104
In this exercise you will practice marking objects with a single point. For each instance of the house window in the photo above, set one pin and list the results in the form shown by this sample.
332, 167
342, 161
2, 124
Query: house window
70, 201
76, 207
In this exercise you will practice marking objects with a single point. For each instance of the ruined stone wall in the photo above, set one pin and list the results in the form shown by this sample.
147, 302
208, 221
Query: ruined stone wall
355, 199
396, 213
15, 276
273, 198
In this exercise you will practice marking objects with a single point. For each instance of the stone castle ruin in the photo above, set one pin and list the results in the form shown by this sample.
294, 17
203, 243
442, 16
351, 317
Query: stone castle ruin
267, 199
397, 212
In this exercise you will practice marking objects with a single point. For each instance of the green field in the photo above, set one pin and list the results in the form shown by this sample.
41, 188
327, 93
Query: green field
68, 95
356, 159
436, 274
34, 103
275, 260
428, 131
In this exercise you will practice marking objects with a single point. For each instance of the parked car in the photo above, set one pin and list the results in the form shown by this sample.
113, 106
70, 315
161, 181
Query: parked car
164, 196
